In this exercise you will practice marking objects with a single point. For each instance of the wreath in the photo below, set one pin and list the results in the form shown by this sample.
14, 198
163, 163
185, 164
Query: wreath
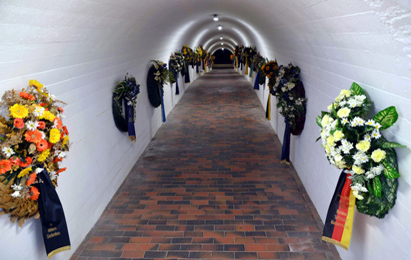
157, 76
125, 95
354, 143
33, 140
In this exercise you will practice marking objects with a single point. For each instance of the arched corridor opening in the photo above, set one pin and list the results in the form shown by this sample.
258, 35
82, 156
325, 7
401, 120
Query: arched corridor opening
222, 57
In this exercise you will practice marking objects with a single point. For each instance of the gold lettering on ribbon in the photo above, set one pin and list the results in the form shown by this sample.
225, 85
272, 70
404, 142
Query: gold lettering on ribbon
55, 234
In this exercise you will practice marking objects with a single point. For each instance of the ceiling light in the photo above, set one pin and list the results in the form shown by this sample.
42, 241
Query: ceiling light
222, 49
222, 43
215, 18
221, 37
220, 27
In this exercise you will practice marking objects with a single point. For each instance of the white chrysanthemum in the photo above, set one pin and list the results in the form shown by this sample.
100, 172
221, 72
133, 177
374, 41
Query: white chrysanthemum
377, 170
52, 97
344, 121
16, 187
360, 158
342, 103
376, 134
359, 187
367, 137
32, 125
39, 111
357, 121
16, 194
370, 122
377, 126
369, 175
360, 98
8, 151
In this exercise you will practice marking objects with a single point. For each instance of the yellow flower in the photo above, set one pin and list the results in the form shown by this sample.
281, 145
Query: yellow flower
378, 155
330, 141
48, 116
37, 85
358, 196
357, 169
43, 156
338, 135
325, 121
363, 145
54, 136
18, 111
345, 92
66, 139
327, 149
24, 172
343, 112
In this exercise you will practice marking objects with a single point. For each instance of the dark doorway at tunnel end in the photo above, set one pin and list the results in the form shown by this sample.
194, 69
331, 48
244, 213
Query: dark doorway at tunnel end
222, 57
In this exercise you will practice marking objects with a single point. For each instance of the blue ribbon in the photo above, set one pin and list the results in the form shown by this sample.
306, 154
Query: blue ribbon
162, 105
285, 154
187, 76
53, 222
257, 78
177, 90
241, 63
197, 68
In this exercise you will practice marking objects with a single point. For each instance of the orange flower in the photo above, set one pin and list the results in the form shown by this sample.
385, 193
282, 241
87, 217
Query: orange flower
271, 73
61, 170
14, 160
43, 104
60, 109
57, 159
28, 161
58, 123
18, 123
35, 193
24, 95
31, 97
33, 136
50, 145
65, 130
32, 178
41, 124
267, 68
42, 145
275, 67
5, 166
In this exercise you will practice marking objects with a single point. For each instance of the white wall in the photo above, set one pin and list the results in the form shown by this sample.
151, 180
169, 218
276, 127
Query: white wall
79, 49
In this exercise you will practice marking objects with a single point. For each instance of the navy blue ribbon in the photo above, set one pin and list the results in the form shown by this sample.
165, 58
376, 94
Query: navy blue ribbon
241, 63
197, 68
285, 154
177, 89
130, 120
53, 222
162, 105
187, 76
257, 79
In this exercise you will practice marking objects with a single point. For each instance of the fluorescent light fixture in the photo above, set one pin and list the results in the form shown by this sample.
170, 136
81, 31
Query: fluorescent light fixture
215, 18
220, 27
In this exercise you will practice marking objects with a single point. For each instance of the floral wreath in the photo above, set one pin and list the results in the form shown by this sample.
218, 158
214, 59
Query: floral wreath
355, 143
176, 64
290, 92
125, 93
33, 138
158, 75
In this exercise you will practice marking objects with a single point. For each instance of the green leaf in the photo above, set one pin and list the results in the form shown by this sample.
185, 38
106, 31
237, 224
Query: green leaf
318, 139
356, 89
386, 117
389, 171
376, 185
392, 145
319, 119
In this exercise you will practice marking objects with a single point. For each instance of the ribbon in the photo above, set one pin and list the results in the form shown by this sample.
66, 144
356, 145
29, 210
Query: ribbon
236, 61
162, 105
130, 120
187, 76
241, 63
197, 68
53, 222
268, 110
203, 64
177, 89
257, 79
246, 66
340, 215
285, 154
251, 70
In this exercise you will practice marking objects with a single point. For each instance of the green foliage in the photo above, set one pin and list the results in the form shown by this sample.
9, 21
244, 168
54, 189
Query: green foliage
386, 117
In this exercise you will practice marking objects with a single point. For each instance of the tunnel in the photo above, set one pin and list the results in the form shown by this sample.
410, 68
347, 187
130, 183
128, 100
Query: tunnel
80, 50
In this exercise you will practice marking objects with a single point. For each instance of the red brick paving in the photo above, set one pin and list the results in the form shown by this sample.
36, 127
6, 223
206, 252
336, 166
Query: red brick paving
210, 185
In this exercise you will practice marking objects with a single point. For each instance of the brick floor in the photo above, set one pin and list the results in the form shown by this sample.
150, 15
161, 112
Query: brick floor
210, 185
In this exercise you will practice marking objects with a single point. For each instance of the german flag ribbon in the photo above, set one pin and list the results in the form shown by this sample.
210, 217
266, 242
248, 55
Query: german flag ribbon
338, 224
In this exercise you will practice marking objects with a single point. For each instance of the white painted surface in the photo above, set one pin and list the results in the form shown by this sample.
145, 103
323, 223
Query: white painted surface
79, 49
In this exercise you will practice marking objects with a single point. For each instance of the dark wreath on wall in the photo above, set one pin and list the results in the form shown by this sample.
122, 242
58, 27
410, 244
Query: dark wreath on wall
123, 105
